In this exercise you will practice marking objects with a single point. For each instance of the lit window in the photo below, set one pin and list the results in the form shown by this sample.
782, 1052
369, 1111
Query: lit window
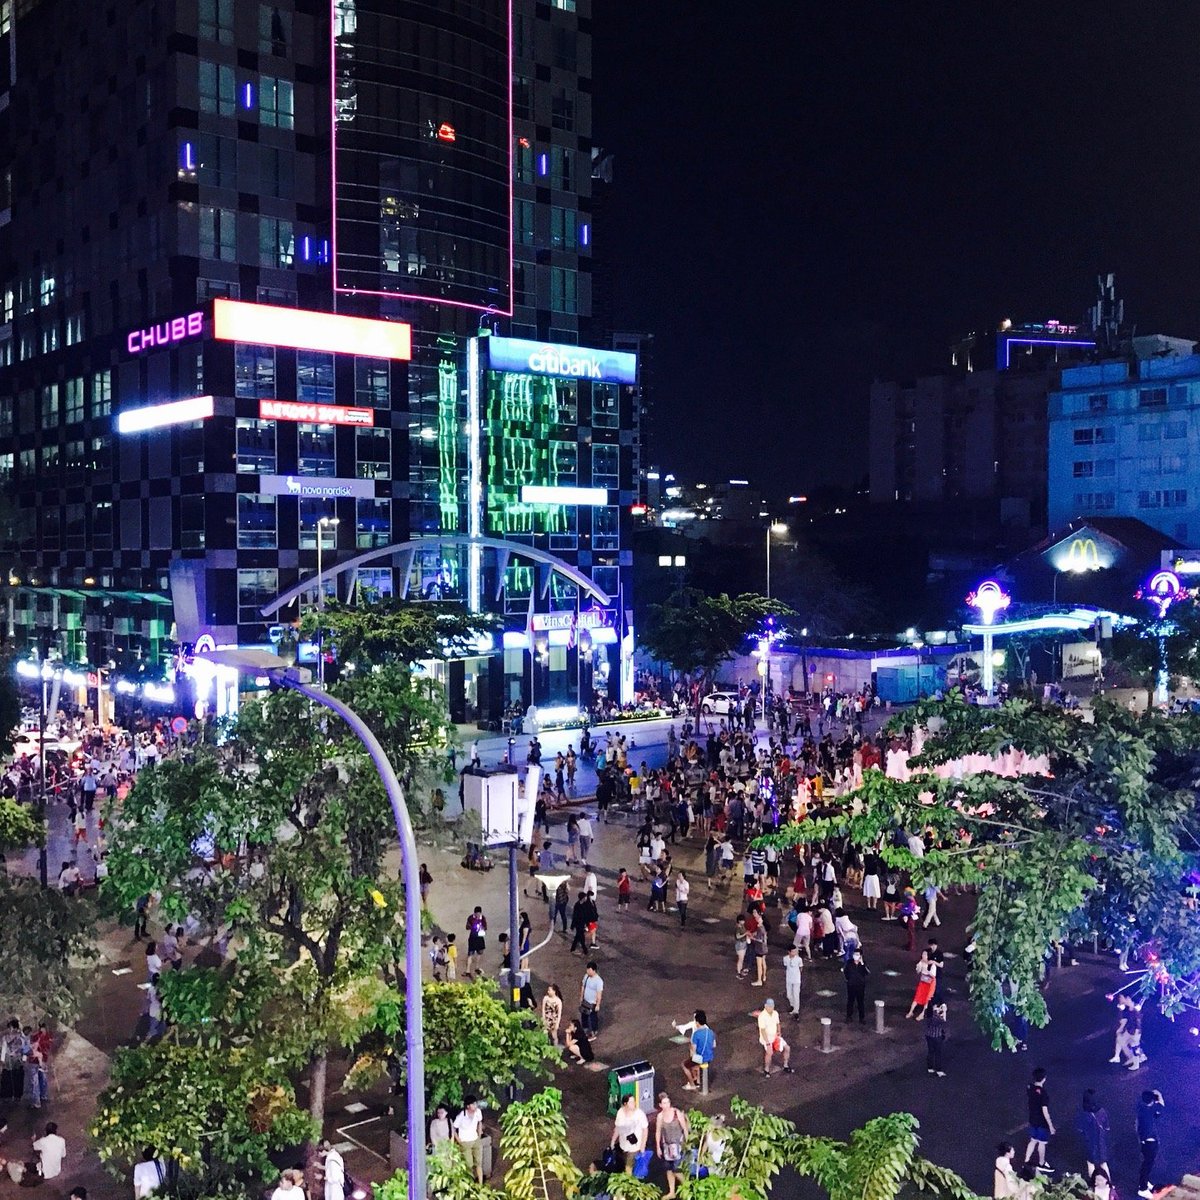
218, 89
216, 21
256, 527
254, 372
276, 102
276, 242
563, 226
255, 446
564, 290
373, 523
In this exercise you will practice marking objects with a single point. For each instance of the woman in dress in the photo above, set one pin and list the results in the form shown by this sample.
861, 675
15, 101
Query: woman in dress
577, 1044
870, 884
926, 983
552, 1009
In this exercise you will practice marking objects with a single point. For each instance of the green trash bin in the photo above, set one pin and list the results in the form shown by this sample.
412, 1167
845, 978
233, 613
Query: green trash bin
635, 1079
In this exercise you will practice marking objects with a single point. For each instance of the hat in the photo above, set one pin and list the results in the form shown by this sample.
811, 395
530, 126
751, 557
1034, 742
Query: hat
768, 1004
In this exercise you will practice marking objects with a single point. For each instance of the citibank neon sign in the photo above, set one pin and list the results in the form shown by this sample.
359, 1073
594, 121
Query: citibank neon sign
518, 356
164, 333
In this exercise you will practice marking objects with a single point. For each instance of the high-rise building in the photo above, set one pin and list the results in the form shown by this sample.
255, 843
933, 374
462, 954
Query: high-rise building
188, 193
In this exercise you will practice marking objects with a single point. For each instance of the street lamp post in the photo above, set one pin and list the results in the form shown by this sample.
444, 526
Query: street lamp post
1162, 591
322, 524
989, 598
779, 528
297, 680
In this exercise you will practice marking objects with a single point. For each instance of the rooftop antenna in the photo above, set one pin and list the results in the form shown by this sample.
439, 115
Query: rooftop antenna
1107, 315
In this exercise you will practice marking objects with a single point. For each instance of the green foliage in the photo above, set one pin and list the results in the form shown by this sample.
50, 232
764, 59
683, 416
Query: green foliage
450, 1178
10, 699
46, 942
878, 1161
19, 827
196, 1103
534, 1142
1101, 844
396, 631
696, 632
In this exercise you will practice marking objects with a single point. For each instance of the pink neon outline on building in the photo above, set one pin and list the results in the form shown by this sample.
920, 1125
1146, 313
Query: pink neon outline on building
341, 291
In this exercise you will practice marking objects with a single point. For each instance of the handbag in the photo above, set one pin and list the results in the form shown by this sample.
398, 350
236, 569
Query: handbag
641, 1163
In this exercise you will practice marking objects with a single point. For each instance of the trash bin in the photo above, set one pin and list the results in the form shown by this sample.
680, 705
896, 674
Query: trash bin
632, 1079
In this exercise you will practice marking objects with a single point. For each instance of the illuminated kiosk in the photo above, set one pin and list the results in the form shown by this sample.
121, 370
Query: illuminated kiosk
989, 598
1162, 590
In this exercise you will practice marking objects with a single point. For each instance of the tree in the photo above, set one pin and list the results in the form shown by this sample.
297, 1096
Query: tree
276, 839
391, 630
1135, 647
877, 1162
1105, 843
46, 939
693, 632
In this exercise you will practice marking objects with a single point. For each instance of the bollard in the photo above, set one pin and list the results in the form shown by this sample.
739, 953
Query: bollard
879, 1025
1058, 950
1095, 943
704, 1079
826, 1035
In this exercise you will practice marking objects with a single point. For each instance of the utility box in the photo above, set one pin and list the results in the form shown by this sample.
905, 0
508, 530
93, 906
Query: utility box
636, 1079
504, 808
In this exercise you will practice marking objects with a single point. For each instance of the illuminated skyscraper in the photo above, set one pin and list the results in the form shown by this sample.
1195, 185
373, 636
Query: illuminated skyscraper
424, 164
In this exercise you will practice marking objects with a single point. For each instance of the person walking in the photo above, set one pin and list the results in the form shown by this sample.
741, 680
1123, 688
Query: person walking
856, 973
476, 928
1093, 1127
771, 1040
933, 894
579, 923
1149, 1109
670, 1131
682, 890
630, 1131
468, 1133
935, 1040
591, 994
562, 900
926, 970
584, 829
1041, 1126
741, 942
793, 968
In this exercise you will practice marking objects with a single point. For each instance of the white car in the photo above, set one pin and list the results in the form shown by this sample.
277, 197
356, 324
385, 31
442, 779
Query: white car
719, 703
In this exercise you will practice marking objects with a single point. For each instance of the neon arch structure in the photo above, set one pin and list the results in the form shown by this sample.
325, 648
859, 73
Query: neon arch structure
548, 565
1162, 591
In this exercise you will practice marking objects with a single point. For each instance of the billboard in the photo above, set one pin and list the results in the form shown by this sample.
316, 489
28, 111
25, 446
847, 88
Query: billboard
1080, 660
521, 357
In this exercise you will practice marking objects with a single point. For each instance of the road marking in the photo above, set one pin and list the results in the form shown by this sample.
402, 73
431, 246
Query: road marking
123, 971
356, 1107
947, 954
826, 992
892, 973
711, 920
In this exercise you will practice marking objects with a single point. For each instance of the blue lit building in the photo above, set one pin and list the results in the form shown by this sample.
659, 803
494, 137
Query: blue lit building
1124, 440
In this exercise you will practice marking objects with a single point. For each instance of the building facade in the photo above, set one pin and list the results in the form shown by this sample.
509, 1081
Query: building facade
1124, 441
415, 166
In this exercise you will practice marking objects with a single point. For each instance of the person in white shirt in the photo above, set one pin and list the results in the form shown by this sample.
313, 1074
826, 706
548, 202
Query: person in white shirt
51, 1149
149, 1175
793, 967
153, 961
630, 1130
585, 838
682, 891
290, 1187
770, 1040
335, 1173
468, 1130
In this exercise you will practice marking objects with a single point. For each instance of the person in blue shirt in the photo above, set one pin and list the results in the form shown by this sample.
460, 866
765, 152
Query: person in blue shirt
703, 1044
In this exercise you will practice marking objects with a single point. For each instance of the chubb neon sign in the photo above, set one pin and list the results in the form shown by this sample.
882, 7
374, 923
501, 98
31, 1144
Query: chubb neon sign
165, 333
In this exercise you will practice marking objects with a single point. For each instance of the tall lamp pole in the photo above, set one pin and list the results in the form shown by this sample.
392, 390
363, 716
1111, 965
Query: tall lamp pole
989, 598
297, 679
322, 524
779, 528
1162, 591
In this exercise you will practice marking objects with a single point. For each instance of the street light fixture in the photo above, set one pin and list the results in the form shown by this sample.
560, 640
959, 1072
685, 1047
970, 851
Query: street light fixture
323, 523
297, 679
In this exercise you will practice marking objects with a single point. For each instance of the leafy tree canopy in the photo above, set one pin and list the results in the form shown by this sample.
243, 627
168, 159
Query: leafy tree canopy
393, 630
1106, 843
696, 632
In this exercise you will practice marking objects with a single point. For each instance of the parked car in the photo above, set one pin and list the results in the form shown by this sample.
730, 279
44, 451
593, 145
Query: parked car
719, 703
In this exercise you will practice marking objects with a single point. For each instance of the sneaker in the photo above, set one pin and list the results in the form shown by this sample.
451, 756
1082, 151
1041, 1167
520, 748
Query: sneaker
788, 1071
691, 1087
767, 1074
1045, 1168
1135, 1065
1116, 1058
941, 1074
929, 1071
755, 983
1147, 1192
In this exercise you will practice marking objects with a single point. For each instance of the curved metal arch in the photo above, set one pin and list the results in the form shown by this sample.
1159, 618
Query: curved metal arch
501, 546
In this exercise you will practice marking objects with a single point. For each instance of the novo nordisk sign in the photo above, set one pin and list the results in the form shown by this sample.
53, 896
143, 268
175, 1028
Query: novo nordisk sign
315, 487
564, 362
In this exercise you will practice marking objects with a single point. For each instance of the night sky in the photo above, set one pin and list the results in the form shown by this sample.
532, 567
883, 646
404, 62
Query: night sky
813, 195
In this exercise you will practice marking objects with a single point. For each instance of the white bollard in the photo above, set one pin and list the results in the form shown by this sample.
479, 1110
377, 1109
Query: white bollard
879, 1025
826, 1035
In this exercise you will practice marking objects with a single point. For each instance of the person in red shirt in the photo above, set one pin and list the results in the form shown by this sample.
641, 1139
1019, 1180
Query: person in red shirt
624, 890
